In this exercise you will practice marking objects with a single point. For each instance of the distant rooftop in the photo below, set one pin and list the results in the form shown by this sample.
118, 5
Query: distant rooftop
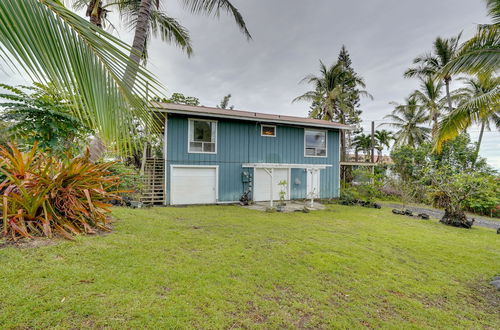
246, 115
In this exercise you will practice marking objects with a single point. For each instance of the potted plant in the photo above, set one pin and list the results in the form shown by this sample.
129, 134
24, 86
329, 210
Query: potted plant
281, 205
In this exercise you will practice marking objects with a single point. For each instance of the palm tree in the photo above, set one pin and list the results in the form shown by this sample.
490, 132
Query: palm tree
142, 13
383, 139
160, 24
430, 98
408, 119
480, 104
362, 142
50, 44
429, 65
481, 53
330, 96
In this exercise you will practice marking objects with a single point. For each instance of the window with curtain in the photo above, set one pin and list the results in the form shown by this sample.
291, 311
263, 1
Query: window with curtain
202, 136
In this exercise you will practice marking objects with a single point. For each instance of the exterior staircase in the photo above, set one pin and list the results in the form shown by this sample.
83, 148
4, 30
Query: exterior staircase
153, 190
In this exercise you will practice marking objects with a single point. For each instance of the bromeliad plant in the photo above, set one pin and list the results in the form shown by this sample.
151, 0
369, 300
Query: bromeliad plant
46, 196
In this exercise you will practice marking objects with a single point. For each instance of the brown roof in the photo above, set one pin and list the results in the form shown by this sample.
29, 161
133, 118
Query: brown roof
246, 115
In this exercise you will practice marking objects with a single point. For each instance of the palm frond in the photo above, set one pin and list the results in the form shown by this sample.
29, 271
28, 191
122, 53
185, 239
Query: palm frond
214, 7
480, 54
170, 30
493, 7
462, 117
53, 45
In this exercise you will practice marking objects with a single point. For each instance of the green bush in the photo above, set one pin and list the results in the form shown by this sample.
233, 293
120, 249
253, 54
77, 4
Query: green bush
486, 199
131, 181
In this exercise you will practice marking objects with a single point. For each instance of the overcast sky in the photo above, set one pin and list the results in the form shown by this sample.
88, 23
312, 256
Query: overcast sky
289, 39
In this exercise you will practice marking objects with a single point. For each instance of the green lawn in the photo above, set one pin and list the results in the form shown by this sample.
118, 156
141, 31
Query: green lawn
228, 267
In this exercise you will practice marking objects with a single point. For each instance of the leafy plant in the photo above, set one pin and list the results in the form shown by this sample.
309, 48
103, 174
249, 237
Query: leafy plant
40, 114
49, 43
130, 179
454, 190
283, 186
43, 195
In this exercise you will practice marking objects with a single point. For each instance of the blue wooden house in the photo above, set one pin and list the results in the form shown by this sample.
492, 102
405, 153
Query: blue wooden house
214, 155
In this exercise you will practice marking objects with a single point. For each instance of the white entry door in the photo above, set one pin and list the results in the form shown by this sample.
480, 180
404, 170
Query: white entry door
193, 185
262, 184
313, 184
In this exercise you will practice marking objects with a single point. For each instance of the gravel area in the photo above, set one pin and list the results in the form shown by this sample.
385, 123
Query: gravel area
438, 214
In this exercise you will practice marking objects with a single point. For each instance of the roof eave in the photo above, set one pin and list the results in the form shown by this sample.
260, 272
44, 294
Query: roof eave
256, 119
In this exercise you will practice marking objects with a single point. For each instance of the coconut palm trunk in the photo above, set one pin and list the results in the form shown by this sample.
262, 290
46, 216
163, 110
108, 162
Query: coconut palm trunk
479, 140
448, 96
140, 36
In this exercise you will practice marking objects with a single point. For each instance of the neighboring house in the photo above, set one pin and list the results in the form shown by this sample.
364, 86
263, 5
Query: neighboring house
214, 155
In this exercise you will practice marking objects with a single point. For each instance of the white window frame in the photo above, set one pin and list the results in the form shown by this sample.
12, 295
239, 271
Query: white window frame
326, 143
262, 129
190, 120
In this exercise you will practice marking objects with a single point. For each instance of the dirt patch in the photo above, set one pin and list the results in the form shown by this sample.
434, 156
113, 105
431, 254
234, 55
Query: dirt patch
29, 243
485, 297
36, 242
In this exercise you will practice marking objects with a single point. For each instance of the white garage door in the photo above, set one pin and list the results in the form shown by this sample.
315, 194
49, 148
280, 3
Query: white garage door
193, 185
262, 184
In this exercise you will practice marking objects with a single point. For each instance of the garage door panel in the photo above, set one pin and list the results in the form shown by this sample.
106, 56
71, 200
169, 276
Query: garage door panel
193, 185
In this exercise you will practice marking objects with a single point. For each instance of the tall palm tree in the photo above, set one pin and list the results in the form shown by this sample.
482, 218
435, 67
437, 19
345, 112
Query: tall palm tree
50, 44
160, 24
383, 140
430, 97
481, 53
143, 23
429, 65
330, 96
408, 119
480, 104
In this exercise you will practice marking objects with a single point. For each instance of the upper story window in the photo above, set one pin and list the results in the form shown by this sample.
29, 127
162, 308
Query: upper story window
268, 130
202, 136
315, 143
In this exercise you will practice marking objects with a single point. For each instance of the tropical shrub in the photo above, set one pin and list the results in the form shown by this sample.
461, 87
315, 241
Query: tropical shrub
455, 191
485, 200
39, 114
46, 196
130, 179
366, 186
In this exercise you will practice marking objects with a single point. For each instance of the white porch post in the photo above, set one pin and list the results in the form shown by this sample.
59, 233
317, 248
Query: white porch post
270, 171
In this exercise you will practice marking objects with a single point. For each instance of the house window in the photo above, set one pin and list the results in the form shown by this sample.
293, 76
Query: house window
268, 130
202, 136
315, 143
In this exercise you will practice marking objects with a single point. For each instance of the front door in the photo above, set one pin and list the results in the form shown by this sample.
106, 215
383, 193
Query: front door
313, 184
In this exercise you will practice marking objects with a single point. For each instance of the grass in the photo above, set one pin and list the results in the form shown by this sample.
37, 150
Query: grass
229, 267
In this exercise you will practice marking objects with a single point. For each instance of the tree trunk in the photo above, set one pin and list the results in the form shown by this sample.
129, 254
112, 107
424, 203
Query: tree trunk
479, 140
140, 36
95, 12
435, 126
456, 219
342, 146
448, 96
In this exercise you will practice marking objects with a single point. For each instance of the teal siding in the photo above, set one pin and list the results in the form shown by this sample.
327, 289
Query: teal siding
240, 142
298, 183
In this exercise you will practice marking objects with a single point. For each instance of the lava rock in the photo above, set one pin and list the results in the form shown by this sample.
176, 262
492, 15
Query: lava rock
377, 206
408, 213
423, 216
498, 230
496, 284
